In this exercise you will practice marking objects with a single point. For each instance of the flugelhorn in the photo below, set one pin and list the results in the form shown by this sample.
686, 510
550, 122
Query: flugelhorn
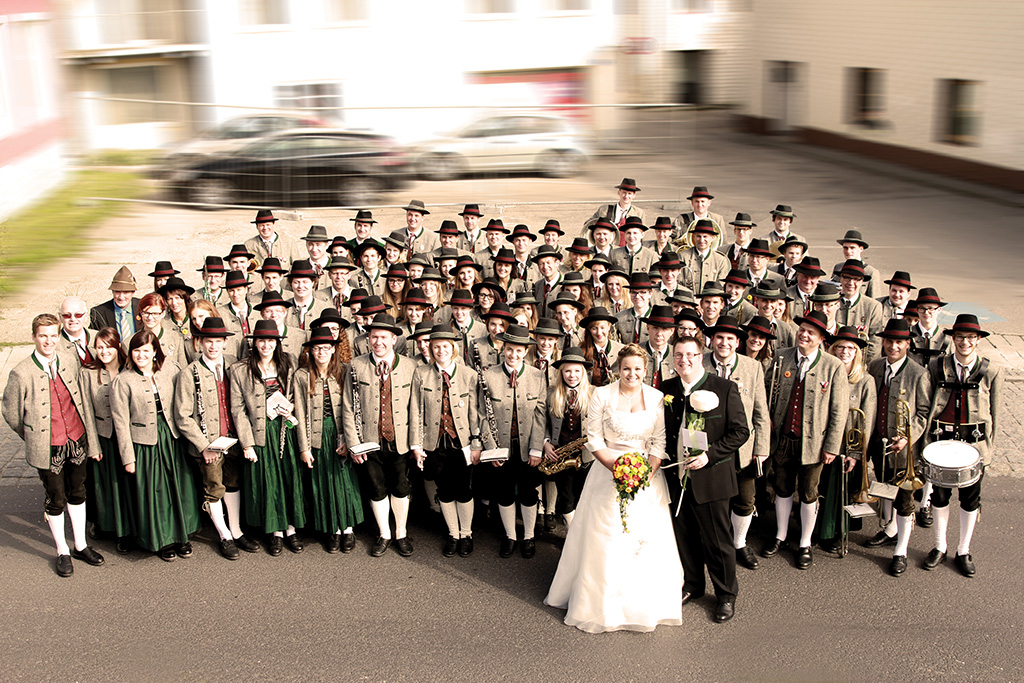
908, 480
856, 439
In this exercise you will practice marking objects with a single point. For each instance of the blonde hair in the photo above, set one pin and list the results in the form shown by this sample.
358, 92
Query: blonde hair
530, 312
857, 368
558, 395
631, 350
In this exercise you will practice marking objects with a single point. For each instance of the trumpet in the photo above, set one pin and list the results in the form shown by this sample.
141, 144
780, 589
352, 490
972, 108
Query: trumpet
856, 440
908, 479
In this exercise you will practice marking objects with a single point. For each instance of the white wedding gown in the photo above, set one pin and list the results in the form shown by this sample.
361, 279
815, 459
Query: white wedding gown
607, 579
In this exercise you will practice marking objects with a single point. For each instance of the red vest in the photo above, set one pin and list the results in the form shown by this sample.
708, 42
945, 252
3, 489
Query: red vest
792, 426
956, 408
65, 423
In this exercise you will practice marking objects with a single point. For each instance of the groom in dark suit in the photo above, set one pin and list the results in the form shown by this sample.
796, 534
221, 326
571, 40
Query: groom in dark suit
702, 525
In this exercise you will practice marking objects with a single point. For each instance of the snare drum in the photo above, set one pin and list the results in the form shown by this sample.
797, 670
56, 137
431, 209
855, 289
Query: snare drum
951, 464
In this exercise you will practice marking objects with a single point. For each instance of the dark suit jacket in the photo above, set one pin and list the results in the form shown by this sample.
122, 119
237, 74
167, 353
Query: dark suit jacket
727, 430
103, 316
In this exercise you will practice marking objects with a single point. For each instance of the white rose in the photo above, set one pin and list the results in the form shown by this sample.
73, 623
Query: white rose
703, 401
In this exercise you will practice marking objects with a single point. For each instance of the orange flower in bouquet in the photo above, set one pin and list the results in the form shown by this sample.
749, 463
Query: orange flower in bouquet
632, 473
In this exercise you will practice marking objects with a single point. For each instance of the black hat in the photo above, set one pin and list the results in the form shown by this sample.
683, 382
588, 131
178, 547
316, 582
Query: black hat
700, 192
566, 298
663, 223
552, 226
384, 321
573, 354
743, 221
896, 328
431, 274
791, 240
264, 329
492, 284
853, 236
660, 316
363, 217
369, 243
446, 254
505, 256
264, 216
783, 210
449, 228
461, 297
330, 315
371, 305
272, 299
549, 327
471, 210
758, 247
634, 222
397, 271
967, 323
238, 251
546, 250
809, 266
628, 184
302, 268
416, 205
598, 260
500, 310
737, 276
422, 329
316, 233
177, 283
320, 335
236, 278
854, 268
572, 278
691, 315
579, 246
928, 295
598, 313
849, 333
271, 264
727, 323
521, 231
704, 225
815, 319
163, 269
761, 325
638, 280
900, 278
495, 225
517, 334
214, 327
711, 288
213, 264
442, 331
356, 296
466, 261
415, 297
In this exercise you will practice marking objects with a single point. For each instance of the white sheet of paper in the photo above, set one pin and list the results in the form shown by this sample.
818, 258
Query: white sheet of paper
222, 443
698, 440
278, 404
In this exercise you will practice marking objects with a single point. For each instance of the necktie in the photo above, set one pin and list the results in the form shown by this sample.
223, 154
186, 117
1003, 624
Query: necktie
513, 379
83, 352
722, 371
447, 422
888, 374
269, 246
337, 302
963, 372
387, 420
573, 396
218, 371
125, 327
51, 369
542, 364
547, 290
465, 344
618, 307
412, 243
636, 331
802, 367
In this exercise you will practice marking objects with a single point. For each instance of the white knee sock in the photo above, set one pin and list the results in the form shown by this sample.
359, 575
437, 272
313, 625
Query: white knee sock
77, 515
279, 534
529, 520
783, 509
890, 523
904, 525
740, 526
967, 522
56, 524
382, 513
451, 518
940, 518
233, 506
217, 515
290, 531
431, 489
567, 517
348, 530
550, 497
508, 519
400, 506
465, 511
808, 515
926, 495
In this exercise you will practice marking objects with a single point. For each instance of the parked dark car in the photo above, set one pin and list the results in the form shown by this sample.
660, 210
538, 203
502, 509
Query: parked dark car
307, 167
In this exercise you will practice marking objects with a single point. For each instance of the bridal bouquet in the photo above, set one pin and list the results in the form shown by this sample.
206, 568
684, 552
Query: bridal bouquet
701, 401
632, 473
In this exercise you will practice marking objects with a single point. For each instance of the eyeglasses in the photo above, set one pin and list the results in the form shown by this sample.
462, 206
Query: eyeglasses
69, 316
151, 314
686, 356
965, 337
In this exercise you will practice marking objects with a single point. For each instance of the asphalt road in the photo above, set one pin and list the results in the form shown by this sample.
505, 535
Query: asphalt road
428, 618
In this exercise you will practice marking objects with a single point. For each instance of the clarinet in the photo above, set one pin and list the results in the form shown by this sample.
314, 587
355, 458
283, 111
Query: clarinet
357, 405
200, 408
492, 422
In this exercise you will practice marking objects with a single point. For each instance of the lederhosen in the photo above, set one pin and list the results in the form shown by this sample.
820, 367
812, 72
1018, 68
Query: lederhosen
64, 481
569, 482
225, 473
386, 470
884, 470
954, 423
516, 482
790, 473
446, 465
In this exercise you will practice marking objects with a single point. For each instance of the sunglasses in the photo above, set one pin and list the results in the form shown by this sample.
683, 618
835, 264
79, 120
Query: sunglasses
69, 316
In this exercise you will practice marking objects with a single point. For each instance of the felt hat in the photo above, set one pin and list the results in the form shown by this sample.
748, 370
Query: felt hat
316, 233
700, 192
363, 217
573, 354
967, 323
264, 216
174, 283
416, 205
743, 221
214, 327
471, 210
264, 329
272, 299
761, 325
849, 333
211, 264
384, 321
163, 269
628, 184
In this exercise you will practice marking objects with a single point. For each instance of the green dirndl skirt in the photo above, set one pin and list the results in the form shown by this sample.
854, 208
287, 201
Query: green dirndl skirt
167, 510
111, 502
274, 494
336, 501
830, 517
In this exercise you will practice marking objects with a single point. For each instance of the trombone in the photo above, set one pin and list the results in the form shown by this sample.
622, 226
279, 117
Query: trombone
908, 479
855, 439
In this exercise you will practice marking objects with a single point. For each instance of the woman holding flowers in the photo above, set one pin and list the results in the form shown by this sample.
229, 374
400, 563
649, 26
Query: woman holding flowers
619, 568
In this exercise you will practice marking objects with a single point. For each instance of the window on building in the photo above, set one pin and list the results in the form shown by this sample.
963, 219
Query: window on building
490, 6
260, 12
867, 97
136, 83
308, 96
345, 10
959, 112
693, 5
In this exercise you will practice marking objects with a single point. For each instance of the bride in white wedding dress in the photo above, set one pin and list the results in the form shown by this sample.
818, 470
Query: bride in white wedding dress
608, 579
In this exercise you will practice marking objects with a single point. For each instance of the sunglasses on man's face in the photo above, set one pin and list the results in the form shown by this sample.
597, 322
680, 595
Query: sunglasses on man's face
69, 316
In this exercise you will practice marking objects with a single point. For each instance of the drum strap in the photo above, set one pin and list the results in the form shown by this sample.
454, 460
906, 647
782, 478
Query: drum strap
946, 431
973, 382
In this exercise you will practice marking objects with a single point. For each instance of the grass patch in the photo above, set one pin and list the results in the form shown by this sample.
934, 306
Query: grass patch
121, 157
58, 224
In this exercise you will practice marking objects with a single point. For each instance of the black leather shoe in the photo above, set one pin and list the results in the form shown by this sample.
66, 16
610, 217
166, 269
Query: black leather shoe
690, 597
184, 549
508, 546
275, 546
528, 548
228, 549
88, 555
772, 549
724, 611
745, 557
124, 545
380, 547
832, 547
404, 546
63, 566
167, 553
966, 565
465, 547
294, 543
934, 559
247, 544
549, 523
898, 565
348, 542
804, 557
880, 539
450, 546
924, 517
333, 544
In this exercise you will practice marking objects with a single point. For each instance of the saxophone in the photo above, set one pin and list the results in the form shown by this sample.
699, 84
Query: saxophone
567, 456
